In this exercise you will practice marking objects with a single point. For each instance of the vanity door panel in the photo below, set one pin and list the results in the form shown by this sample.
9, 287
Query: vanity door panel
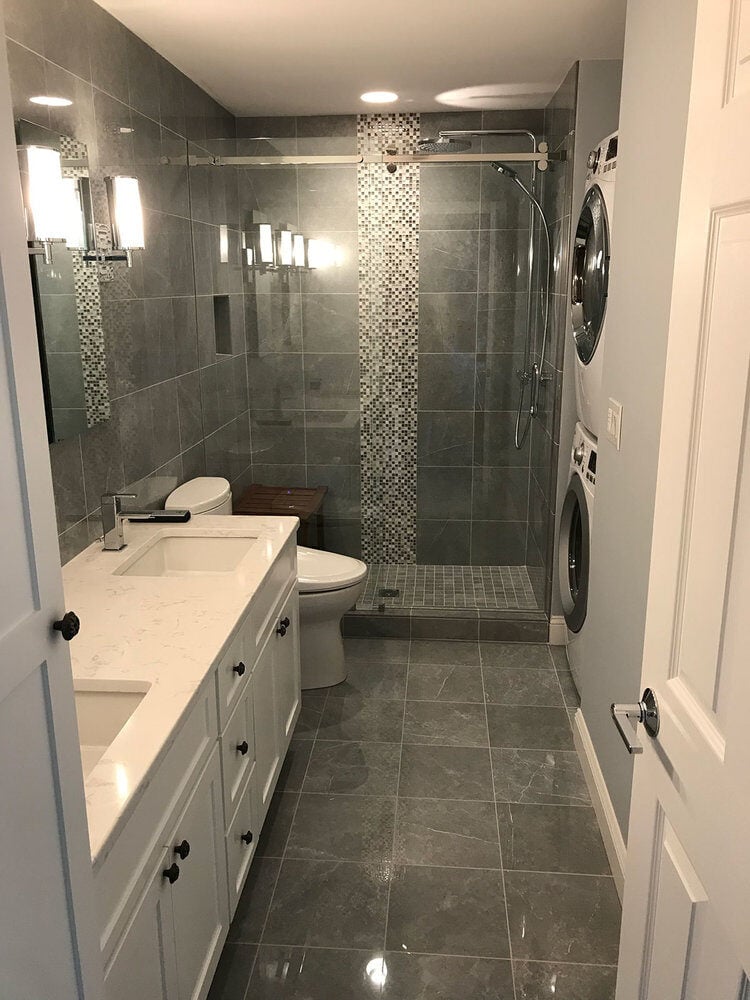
287, 669
144, 963
199, 896
267, 743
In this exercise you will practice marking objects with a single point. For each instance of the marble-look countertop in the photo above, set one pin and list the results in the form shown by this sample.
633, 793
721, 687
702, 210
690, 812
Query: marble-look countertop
159, 633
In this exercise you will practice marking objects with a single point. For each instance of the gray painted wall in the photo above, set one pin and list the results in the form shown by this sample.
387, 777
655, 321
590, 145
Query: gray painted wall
653, 115
597, 113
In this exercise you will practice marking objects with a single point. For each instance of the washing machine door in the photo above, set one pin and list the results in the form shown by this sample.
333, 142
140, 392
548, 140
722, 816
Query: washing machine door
590, 276
573, 561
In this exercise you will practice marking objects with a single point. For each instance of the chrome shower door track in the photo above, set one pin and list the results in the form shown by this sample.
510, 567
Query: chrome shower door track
540, 158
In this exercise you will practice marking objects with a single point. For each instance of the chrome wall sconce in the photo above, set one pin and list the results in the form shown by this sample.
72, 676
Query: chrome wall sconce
269, 249
126, 221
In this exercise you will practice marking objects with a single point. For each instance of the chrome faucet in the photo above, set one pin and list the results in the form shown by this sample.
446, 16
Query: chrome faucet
113, 518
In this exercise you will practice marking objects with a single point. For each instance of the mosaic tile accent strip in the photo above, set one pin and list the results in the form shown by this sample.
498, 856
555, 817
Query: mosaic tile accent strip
88, 310
388, 206
500, 588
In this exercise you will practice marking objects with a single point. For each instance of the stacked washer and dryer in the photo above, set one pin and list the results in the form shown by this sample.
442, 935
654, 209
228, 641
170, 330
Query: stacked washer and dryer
589, 284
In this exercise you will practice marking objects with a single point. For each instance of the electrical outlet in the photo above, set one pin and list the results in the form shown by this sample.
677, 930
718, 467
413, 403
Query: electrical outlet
614, 422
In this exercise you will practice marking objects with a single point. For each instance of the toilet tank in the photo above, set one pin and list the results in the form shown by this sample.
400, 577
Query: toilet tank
204, 495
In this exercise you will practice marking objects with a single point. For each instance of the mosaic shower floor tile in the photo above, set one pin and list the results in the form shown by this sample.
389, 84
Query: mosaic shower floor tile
396, 585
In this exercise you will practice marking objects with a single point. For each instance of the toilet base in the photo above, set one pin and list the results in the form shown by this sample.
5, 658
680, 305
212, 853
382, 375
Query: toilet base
321, 642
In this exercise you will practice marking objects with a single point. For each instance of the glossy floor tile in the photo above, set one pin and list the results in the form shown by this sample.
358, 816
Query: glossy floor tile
431, 838
442, 832
342, 828
547, 980
564, 918
450, 911
353, 768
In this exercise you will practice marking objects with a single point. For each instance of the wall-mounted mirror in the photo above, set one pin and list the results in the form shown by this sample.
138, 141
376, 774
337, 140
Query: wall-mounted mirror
57, 197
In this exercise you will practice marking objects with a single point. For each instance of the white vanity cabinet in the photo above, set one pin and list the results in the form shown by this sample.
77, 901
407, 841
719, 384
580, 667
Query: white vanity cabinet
276, 696
171, 944
170, 882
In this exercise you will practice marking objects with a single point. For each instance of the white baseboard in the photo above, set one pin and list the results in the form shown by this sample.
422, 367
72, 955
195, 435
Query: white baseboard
602, 803
558, 631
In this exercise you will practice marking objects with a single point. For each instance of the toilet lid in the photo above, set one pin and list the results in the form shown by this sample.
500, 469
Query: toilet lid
199, 495
319, 571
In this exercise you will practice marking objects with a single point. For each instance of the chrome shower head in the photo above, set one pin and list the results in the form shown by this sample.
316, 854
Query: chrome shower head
503, 168
443, 144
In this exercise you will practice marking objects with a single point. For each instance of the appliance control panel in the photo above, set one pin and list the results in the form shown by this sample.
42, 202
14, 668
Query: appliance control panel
603, 158
584, 458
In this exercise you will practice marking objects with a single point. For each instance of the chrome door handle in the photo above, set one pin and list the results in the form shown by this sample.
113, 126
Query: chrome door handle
646, 711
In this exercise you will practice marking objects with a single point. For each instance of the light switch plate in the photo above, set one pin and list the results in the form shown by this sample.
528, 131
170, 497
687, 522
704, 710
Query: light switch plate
614, 422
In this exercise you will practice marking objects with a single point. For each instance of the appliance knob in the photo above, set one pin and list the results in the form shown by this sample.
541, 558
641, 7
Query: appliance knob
593, 159
578, 453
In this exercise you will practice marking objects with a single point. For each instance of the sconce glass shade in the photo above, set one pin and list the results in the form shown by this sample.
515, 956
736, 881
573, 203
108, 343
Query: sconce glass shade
46, 194
322, 253
75, 225
284, 248
298, 250
126, 213
265, 245
223, 244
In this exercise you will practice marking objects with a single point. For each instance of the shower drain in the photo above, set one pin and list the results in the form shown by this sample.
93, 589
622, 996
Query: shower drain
389, 592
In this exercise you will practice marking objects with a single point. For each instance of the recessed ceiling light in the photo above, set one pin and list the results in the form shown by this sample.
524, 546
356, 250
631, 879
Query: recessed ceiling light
379, 97
51, 102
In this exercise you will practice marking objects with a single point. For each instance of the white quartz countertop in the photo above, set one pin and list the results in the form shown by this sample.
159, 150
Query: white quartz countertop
159, 634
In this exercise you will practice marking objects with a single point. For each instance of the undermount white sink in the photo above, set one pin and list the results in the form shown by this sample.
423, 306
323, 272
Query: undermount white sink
191, 555
102, 712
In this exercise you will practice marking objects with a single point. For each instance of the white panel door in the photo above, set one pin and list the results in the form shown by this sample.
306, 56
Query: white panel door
48, 940
686, 917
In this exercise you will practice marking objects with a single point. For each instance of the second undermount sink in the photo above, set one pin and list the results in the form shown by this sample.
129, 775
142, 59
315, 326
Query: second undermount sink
186, 555
102, 713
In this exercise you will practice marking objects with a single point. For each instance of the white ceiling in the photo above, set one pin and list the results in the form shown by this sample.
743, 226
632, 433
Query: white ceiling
285, 57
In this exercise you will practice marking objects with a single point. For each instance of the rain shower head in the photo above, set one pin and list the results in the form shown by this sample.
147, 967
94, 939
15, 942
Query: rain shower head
503, 168
443, 144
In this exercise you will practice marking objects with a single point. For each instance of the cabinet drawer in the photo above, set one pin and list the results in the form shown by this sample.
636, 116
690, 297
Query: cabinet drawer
238, 750
239, 852
233, 673
122, 875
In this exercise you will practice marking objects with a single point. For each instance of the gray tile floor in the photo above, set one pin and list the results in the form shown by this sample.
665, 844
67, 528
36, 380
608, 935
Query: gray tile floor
431, 839
500, 588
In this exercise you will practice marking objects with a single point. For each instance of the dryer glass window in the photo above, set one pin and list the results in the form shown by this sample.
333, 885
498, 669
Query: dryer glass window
590, 274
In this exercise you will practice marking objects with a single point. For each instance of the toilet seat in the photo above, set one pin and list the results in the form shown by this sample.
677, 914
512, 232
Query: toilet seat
321, 572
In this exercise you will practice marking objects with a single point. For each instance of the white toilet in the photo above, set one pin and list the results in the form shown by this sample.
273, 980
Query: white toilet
329, 586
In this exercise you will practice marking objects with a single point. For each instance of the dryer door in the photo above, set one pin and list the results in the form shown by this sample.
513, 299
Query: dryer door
573, 561
590, 275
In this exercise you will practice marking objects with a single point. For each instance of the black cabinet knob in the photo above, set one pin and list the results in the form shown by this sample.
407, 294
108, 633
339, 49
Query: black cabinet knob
242, 747
68, 626
239, 669
172, 873
285, 622
247, 838
182, 850
283, 626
